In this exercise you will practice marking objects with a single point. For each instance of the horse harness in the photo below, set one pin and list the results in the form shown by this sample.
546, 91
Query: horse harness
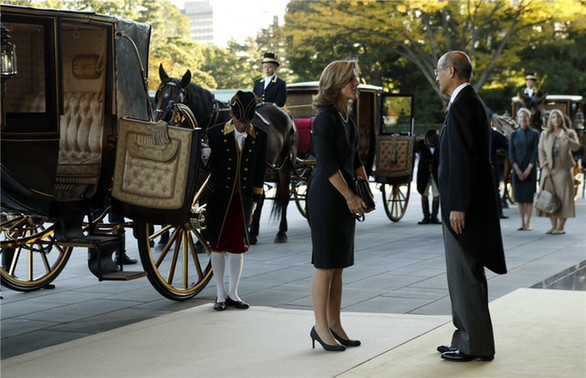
212, 117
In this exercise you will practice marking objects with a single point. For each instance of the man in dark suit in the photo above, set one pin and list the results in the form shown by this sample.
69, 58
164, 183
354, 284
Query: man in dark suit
237, 162
427, 167
471, 228
270, 88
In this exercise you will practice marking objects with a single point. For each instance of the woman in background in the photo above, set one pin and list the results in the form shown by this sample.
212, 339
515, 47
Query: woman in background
555, 159
523, 156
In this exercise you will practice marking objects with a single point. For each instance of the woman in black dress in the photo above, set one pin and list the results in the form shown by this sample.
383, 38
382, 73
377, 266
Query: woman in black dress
332, 203
523, 155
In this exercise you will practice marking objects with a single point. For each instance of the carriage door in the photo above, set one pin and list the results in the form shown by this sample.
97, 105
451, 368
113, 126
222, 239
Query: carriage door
395, 139
84, 64
366, 122
30, 135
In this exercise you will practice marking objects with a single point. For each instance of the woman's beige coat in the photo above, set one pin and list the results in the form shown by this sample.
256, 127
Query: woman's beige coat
546, 149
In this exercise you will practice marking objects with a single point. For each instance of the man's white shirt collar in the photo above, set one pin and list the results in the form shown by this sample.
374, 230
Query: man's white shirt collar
457, 91
268, 79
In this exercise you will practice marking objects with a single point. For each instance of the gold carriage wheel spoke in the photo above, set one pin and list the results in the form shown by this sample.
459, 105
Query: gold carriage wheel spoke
15, 258
158, 233
174, 259
166, 249
16, 223
59, 249
185, 259
194, 253
45, 261
30, 265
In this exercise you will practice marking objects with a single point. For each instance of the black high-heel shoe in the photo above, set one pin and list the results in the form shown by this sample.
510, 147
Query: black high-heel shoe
330, 348
348, 343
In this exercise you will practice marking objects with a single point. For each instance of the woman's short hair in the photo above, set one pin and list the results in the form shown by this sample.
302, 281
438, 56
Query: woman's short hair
333, 78
550, 124
524, 110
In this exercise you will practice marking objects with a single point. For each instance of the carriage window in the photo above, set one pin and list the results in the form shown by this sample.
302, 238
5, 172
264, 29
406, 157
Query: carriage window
25, 93
396, 114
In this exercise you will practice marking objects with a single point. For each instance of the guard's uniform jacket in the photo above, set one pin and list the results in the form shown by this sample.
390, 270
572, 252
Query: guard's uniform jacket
276, 91
233, 170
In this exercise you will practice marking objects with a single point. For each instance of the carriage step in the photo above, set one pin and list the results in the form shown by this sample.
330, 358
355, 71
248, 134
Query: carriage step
90, 241
122, 276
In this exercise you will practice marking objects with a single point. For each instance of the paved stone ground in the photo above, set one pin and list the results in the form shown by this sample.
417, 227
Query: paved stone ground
399, 269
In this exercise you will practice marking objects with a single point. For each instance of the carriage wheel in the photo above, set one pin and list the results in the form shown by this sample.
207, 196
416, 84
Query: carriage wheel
173, 265
300, 195
31, 258
175, 268
395, 199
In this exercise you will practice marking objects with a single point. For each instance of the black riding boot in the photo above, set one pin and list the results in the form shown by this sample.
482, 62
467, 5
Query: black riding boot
426, 217
434, 211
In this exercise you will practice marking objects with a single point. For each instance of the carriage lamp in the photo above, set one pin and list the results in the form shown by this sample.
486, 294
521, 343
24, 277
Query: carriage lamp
8, 61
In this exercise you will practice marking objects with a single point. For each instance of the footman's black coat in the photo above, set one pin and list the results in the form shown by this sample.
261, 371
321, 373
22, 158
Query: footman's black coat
231, 171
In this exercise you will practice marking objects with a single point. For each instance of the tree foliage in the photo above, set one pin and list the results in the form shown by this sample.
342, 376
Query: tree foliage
398, 43
415, 33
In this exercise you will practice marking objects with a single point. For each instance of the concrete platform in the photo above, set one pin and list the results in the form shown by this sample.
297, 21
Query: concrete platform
539, 333
395, 297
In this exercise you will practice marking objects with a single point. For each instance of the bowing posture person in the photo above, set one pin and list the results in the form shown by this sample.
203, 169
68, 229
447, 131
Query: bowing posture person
237, 162
471, 228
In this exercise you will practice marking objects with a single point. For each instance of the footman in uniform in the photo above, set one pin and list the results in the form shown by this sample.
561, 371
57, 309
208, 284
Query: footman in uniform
237, 162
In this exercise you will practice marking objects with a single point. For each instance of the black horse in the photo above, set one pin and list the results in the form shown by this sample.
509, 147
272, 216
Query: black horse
279, 126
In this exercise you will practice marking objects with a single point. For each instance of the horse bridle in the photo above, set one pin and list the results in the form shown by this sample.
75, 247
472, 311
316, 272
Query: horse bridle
180, 99
213, 117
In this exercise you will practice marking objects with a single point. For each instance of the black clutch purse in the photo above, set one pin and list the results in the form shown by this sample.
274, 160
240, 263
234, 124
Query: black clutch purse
363, 190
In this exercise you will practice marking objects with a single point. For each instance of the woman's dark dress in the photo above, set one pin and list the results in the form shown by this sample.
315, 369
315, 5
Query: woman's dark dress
523, 151
331, 222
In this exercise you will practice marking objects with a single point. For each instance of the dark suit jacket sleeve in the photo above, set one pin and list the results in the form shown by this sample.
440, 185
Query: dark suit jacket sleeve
463, 157
281, 97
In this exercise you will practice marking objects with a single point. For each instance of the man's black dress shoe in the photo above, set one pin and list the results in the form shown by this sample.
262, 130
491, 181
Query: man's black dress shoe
219, 306
238, 304
125, 260
446, 348
462, 357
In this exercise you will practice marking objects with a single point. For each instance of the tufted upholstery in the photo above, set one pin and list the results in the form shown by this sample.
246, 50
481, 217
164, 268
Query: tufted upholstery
394, 155
80, 141
80, 144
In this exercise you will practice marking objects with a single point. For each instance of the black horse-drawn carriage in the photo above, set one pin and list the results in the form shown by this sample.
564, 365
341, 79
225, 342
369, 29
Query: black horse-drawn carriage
79, 142
386, 141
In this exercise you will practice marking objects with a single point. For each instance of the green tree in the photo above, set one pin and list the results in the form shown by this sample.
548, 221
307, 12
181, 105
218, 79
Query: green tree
421, 31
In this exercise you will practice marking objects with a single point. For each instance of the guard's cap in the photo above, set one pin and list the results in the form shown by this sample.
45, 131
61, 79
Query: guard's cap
243, 105
431, 138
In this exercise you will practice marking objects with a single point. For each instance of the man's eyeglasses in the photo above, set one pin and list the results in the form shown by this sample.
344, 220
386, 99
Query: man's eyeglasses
436, 70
